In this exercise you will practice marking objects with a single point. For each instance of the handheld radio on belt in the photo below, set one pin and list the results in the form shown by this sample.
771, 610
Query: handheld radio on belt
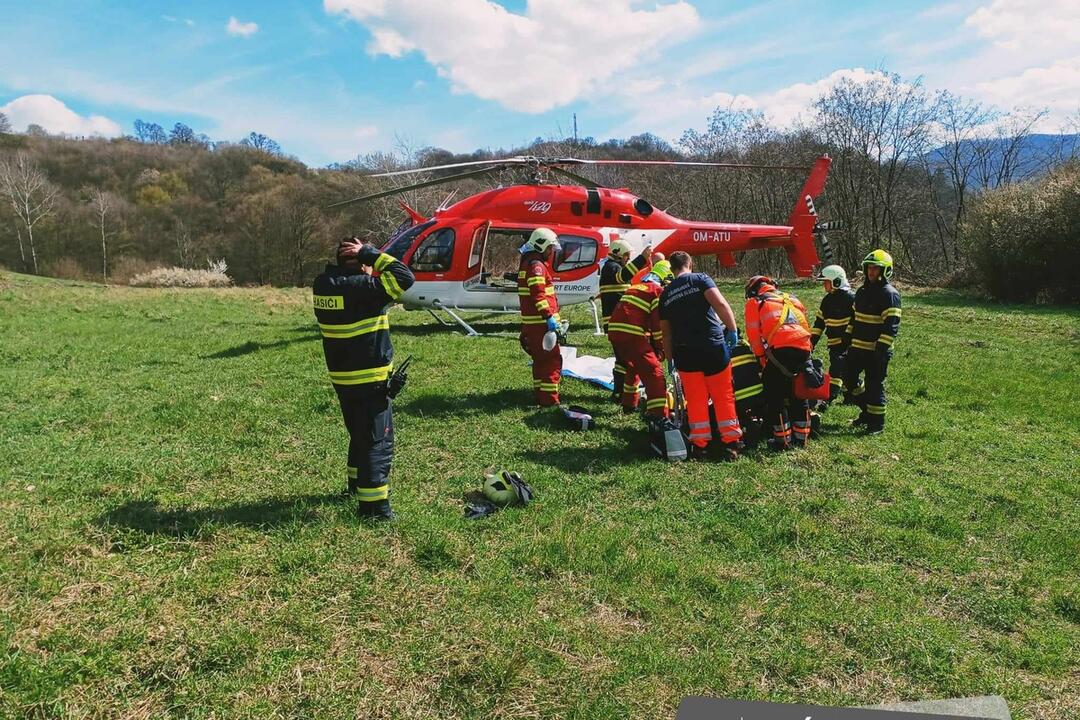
398, 379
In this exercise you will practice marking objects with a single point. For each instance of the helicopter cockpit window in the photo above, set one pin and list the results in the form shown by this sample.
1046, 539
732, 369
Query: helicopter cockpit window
435, 253
400, 245
576, 252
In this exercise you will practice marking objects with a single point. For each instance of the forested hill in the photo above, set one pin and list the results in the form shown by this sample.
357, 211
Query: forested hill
112, 208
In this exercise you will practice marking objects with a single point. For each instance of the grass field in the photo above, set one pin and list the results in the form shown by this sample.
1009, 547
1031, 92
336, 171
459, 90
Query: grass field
171, 542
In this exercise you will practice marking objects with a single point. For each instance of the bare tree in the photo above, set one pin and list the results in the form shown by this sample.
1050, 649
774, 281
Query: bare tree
30, 193
959, 128
5, 124
103, 203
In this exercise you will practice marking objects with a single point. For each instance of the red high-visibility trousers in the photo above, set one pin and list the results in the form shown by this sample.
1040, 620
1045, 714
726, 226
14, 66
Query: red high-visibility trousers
698, 388
642, 362
546, 367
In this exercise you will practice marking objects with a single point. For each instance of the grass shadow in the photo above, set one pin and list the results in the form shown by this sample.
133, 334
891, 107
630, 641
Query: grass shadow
471, 404
630, 446
149, 518
251, 347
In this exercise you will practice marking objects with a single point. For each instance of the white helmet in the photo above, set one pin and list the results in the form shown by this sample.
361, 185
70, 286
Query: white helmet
619, 249
835, 273
542, 239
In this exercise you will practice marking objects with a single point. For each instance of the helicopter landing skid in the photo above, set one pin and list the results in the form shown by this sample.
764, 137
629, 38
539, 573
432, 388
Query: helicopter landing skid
469, 330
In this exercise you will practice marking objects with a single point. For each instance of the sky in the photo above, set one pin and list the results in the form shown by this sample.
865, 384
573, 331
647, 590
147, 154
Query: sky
334, 79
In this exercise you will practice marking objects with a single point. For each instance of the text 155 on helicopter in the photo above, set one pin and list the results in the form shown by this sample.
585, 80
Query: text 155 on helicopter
465, 257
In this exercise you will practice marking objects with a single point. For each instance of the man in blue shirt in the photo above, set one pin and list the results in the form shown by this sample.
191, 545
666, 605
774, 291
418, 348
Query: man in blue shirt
699, 330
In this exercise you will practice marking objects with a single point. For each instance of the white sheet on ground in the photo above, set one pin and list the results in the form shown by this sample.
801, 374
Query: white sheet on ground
596, 370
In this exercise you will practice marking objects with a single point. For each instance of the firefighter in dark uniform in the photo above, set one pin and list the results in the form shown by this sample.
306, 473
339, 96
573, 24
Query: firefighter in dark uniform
350, 301
832, 320
749, 391
615, 277
872, 331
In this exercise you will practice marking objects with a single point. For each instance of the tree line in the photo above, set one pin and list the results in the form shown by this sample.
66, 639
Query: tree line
909, 166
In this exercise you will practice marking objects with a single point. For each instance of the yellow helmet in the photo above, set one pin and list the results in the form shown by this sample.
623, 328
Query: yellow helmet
542, 239
882, 259
619, 249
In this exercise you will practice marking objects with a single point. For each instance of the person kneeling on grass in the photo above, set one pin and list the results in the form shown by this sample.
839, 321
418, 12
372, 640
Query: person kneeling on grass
699, 332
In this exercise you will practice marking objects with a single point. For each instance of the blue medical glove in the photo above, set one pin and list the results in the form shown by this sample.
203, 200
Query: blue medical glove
553, 324
731, 337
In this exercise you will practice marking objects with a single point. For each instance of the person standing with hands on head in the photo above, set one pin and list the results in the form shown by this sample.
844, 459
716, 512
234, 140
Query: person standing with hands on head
779, 335
540, 313
699, 332
873, 330
615, 277
350, 303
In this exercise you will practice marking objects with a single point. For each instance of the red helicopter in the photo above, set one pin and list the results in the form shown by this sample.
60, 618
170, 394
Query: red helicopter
465, 256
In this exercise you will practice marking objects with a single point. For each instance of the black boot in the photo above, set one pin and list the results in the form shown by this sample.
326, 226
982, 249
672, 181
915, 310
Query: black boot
375, 511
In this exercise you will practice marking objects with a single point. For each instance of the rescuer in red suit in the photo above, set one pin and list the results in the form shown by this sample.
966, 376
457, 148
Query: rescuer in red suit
540, 313
634, 332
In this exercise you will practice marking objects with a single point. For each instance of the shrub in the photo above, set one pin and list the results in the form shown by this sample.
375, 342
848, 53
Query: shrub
68, 268
1024, 240
213, 276
124, 268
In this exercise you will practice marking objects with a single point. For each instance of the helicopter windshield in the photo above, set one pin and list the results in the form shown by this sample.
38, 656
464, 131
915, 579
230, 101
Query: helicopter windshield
398, 246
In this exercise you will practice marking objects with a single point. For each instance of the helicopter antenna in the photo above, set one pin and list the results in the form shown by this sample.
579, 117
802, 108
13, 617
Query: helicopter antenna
446, 203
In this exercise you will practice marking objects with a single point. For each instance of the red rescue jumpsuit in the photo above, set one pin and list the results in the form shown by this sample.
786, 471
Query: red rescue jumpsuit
777, 321
536, 295
635, 320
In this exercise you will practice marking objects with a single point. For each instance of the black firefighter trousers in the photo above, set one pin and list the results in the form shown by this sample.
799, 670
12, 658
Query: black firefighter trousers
369, 418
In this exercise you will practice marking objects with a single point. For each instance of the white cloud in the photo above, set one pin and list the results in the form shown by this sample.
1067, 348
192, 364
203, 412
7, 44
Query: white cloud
56, 117
1029, 24
241, 29
553, 54
174, 19
366, 132
1055, 88
668, 112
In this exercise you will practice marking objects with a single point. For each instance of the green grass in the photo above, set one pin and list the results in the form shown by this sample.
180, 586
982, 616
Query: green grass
171, 543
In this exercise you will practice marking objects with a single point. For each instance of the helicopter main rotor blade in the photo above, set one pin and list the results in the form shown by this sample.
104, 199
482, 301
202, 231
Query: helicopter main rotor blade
580, 179
680, 163
414, 186
505, 161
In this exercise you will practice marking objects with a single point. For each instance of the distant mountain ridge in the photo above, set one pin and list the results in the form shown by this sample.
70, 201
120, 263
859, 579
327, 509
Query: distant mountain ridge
1034, 155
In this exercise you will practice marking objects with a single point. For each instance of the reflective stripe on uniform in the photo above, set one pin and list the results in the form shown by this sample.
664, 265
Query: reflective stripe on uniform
537, 280
837, 322
637, 302
548, 387
361, 327
890, 312
750, 391
374, 494
626, 328
886, 339
390, 284
743, 360
608, 289
868, 319
836, 341
656, 403
360, 377
536, 319
863, 344
838, 382
542, 304
875, 409
383, 261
